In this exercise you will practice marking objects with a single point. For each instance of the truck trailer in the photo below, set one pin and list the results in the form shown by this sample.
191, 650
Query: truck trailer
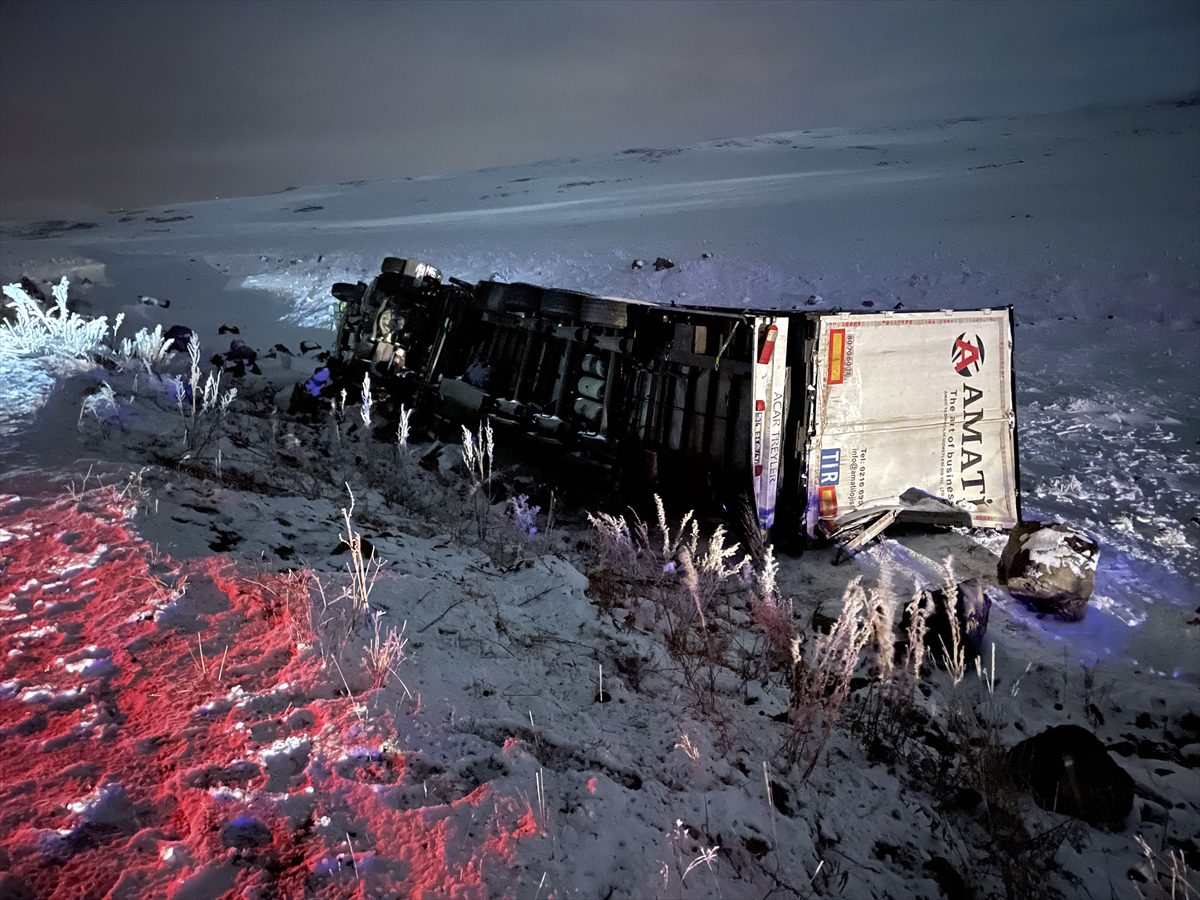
821, 422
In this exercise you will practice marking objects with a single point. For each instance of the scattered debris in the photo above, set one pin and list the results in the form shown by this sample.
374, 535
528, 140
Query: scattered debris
663, 263
153, 301
242, 351
50, 228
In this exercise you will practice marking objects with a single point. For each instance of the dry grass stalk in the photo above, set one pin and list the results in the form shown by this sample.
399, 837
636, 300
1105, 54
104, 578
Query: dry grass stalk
1173, 878
477, 454
820, 677
363, 574
385, 653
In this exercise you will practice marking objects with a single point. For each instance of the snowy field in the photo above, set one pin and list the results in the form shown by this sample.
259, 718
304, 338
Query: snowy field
170, 722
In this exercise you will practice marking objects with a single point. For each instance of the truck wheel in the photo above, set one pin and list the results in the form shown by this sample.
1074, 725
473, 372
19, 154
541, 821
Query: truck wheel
393, 264
348, 293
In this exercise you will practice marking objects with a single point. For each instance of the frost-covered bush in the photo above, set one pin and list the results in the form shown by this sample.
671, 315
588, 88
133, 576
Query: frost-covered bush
523, 515
477, 456
642, 562
102, 405
148, 347
202, 404
685, 582
58, 331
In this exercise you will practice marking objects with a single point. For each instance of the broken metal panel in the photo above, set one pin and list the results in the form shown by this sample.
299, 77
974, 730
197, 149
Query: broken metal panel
921, 400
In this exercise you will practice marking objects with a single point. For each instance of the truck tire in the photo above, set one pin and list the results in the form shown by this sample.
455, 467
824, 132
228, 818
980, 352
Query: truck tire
393, 264
348, 293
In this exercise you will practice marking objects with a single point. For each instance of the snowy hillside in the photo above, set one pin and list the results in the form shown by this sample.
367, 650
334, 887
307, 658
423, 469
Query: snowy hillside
537, 741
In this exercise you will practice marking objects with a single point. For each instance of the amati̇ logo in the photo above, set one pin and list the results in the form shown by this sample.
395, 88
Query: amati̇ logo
967, 354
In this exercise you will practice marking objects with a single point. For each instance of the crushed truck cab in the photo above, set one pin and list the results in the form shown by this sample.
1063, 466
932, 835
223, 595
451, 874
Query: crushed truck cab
824, 422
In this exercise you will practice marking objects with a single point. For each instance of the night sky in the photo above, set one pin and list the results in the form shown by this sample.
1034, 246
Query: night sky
127, 104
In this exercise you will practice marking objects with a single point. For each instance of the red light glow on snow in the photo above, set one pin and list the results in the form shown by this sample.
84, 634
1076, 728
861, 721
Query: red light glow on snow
167, 729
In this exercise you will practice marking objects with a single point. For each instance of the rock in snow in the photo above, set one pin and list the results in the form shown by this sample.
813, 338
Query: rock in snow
1051, 565
1069, 771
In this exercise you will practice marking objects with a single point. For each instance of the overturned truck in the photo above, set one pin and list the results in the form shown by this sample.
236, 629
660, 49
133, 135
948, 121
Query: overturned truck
818, 423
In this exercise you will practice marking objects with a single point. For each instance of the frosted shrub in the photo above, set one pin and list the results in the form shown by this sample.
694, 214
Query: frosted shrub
1021, 841
822, 669
402, 429
477, 456
345, 610
523, 515
772, 613
617, 559
385, 652
642, 562
55, 332
686, 580
1171, 875
954, 656
689, 853
150, 348
201, 402
365, 409
363, 572
103, 398
887, 713
683, 537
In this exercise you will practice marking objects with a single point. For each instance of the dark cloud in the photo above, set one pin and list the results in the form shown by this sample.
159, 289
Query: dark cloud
130, 103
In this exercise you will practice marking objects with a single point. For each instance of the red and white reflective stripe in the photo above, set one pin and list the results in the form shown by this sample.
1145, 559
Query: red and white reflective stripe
768, 348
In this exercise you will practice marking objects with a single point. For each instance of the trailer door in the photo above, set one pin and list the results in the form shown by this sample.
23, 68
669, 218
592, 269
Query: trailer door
918, 400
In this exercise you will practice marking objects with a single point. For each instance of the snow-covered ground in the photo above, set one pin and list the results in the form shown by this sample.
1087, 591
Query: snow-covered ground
495, 771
